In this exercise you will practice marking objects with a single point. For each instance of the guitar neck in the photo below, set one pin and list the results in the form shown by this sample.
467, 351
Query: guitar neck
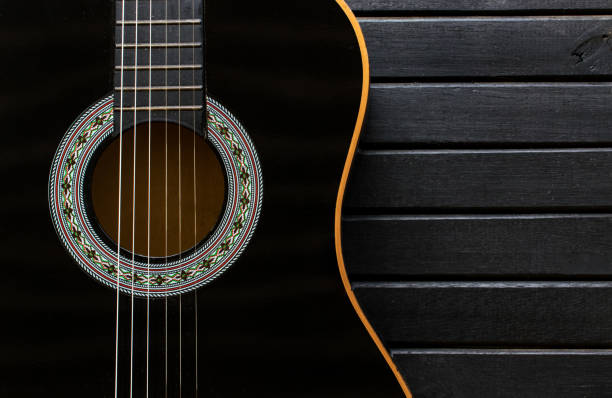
159, 66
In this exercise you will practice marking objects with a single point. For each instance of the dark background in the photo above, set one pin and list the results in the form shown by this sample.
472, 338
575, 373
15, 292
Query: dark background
280, 321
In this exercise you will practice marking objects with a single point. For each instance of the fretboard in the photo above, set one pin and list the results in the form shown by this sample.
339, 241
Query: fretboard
159, 63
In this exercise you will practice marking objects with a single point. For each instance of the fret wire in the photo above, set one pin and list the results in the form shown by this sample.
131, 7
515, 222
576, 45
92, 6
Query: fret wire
161, 22
154, 45
161, 88
154, 67
161, 108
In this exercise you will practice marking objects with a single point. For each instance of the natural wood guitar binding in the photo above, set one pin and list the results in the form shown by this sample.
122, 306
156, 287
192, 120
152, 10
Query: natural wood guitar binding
345, 174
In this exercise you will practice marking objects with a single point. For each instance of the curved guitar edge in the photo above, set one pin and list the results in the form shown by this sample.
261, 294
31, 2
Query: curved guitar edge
345, 173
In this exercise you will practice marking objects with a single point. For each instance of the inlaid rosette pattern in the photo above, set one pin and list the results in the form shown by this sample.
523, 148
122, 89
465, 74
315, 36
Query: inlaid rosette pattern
98, 257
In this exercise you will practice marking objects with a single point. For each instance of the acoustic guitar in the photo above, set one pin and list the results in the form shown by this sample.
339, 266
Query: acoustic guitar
201, 201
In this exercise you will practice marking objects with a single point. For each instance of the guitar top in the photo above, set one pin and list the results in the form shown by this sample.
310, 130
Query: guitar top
234, 291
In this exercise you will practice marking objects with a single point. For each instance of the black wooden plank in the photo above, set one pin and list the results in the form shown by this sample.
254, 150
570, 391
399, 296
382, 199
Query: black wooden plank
488, 46
509, 246
490, 114
437, 179
542, 314
476, 5
506, 373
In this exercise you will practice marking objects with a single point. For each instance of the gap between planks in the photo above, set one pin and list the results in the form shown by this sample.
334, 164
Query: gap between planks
464, 151
389, 13
486, 17
502, 351
484, 285
492, 216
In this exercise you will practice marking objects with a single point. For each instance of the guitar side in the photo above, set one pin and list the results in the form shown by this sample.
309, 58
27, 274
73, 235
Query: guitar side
345, 175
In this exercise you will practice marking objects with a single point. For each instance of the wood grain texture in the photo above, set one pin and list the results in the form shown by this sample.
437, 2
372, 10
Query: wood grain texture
507, 374
497, 246
476, 5
481, 187
490, 314
481, 179
488, 46
489, 114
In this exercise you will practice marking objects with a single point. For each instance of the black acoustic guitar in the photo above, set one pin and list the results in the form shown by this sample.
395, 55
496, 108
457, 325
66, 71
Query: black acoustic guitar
200, 201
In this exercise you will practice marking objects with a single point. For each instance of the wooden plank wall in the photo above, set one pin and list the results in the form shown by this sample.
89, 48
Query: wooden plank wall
477, 227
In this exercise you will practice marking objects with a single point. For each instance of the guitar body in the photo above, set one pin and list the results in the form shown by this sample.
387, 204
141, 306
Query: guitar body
278, 321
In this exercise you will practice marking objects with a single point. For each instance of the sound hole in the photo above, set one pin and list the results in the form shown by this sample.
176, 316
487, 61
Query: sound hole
179, 218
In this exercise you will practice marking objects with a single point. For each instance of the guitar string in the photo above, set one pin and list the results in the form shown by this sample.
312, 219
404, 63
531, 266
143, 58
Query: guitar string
119, 199
166, 203
195, 208
133, 207
180, 230
149, 196
148, 203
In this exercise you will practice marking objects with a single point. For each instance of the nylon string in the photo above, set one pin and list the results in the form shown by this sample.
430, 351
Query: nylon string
166, 202
149, 198
119, 199
180, 230
195, 207
133, 207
